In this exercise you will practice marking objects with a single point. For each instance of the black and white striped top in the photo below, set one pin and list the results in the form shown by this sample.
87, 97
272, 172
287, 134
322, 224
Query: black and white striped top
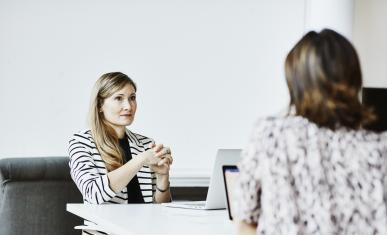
89, 172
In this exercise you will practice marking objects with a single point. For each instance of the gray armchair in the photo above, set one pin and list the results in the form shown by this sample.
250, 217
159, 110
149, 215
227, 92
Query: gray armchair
33, 196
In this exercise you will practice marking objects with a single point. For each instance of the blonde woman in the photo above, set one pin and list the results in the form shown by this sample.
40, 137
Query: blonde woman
108, 162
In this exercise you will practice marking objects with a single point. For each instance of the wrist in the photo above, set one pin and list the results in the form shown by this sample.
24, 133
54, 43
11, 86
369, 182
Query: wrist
162, 188
162, 175
162, 180
145, 159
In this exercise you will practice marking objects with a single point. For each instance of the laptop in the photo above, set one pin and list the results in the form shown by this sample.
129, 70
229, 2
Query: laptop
230, 176
216, 195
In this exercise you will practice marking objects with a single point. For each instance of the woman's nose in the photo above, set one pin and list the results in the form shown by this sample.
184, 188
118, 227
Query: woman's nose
126, 105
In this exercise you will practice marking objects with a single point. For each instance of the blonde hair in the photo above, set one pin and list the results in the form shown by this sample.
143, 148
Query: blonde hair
103, 134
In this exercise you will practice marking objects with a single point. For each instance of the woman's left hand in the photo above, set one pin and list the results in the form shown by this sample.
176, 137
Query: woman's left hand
163, 166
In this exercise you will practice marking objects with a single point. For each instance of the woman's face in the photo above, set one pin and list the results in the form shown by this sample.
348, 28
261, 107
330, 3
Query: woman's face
120, 108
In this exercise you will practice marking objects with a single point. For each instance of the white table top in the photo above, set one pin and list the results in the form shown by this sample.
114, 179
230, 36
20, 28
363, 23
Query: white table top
155, 219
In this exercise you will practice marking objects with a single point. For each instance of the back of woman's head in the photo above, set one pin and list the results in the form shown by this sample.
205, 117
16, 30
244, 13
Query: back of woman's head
103, 134
324, 79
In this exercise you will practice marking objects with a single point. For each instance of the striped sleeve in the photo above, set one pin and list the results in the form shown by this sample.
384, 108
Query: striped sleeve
93, 185
141, 140
147, 178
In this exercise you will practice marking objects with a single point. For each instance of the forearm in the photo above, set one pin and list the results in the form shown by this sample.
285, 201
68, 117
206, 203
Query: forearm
162, 182
120, 177
244, 228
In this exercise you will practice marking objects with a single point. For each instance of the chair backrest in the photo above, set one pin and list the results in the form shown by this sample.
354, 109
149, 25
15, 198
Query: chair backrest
33, 196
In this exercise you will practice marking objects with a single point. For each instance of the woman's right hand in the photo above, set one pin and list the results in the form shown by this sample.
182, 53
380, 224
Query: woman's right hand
120, 177
153, 155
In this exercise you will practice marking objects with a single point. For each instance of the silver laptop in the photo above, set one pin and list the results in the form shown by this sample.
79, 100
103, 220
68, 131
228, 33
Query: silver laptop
216, 195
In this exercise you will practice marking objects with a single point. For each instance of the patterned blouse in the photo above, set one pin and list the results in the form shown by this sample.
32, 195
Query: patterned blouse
298, 178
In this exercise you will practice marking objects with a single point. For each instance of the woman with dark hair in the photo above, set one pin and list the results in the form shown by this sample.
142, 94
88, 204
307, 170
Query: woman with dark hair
316, 170
108, 162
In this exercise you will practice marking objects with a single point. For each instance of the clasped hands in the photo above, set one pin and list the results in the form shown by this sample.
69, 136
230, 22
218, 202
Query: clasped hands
159, 159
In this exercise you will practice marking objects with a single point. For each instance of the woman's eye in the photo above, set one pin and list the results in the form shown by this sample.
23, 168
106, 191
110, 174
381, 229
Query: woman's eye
133, 98
119, 98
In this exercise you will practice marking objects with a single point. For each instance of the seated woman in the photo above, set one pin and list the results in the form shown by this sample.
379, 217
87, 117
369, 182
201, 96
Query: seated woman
317, 170
111, 164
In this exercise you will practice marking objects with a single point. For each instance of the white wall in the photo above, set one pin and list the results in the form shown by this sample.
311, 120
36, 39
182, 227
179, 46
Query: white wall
333, 14
370, 39
205, 70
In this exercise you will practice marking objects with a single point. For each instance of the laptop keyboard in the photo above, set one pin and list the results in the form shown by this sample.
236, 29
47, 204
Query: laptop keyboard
199, 203
187, 204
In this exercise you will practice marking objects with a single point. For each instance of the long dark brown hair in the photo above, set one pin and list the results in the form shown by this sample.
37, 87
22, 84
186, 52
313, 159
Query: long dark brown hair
324, 79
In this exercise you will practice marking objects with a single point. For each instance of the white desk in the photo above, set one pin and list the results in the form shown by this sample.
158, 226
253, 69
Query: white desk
155, 219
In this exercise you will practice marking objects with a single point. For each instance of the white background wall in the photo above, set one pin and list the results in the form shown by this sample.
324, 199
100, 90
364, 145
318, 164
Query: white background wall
335, 14
205, 69
370, 39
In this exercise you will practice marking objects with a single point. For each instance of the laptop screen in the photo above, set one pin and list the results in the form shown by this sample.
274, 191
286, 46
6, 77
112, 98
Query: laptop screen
376, 99
230, 175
